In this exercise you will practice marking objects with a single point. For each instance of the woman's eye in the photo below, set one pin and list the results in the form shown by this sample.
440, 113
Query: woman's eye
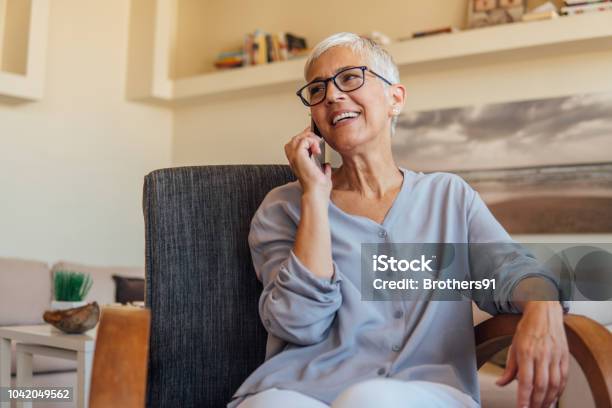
314, 90
348, 77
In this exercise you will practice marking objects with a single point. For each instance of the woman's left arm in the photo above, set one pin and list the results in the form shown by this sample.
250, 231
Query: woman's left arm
539, 355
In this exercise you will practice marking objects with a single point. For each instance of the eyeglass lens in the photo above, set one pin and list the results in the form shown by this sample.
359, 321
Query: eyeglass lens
347, 81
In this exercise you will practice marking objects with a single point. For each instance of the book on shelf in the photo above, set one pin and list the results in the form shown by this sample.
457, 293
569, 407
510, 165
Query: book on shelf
587, 8
269, 49
261, 47
247, 49
229, 59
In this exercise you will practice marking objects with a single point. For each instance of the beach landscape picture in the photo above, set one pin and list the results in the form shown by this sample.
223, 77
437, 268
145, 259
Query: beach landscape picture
541, 166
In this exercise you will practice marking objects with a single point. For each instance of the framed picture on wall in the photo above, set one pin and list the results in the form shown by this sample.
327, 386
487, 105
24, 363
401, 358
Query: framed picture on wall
541, 166
482, 13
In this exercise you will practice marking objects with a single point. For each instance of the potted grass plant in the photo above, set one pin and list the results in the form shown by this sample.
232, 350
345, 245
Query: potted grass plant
70, 289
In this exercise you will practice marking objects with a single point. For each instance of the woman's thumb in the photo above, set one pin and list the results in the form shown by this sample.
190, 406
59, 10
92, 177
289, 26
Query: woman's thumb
510, 371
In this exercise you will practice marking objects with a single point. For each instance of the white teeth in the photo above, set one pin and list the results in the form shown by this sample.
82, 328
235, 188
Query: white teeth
344, 115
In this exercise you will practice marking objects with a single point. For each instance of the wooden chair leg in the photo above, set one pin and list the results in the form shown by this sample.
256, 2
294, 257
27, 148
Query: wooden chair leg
119, 376
589, 342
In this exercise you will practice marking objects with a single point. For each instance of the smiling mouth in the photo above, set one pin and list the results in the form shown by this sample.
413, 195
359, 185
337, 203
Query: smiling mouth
347, 119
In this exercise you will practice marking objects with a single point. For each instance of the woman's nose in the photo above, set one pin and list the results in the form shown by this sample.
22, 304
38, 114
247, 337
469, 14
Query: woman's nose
332, 93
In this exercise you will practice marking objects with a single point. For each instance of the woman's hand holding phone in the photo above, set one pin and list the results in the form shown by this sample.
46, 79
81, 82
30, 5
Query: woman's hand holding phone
302, 152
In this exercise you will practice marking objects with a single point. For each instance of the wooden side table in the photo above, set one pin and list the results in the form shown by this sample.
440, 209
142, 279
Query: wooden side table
46, 340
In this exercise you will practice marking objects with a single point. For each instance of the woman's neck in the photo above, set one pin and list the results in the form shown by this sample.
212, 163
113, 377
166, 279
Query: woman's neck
370, 180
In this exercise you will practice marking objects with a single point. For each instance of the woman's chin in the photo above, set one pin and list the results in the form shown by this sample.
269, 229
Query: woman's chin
348, 142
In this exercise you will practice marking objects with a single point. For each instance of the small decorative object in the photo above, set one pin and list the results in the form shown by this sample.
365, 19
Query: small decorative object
69, 312
545, 11
70, 289
76, 320
483, 13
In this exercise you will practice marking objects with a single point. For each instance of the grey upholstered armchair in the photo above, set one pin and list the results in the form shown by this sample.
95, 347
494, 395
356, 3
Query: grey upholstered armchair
206, 335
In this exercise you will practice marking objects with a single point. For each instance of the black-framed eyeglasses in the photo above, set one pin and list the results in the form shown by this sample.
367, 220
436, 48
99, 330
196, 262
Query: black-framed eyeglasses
347, 80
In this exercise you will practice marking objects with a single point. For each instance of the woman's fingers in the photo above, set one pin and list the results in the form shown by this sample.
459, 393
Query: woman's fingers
564, 367
304, 133
525, 380
540, 383
554, 383
299, 150
309, 143
542, 354
511, 369
299, 145
297, 141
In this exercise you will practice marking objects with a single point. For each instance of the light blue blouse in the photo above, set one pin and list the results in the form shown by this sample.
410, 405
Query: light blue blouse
322, 337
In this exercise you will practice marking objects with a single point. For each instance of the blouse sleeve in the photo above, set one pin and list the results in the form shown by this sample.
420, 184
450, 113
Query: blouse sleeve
493, 254
295, 305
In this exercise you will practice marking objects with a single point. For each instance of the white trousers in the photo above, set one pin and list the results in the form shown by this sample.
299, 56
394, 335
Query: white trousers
377, 393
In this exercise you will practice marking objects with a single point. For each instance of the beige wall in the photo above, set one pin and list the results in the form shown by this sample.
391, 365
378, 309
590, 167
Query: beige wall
72, 165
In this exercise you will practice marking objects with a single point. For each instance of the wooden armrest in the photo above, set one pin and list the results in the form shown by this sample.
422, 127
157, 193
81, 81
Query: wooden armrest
119, 375
589, 342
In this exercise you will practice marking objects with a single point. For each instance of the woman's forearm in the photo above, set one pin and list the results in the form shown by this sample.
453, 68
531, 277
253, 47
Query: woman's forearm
534, 289
313, 237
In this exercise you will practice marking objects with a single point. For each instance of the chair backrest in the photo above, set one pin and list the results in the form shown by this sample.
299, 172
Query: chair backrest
206, 335
119, 374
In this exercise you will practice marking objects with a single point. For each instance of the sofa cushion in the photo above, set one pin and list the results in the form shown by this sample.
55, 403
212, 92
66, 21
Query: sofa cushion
103, 288
25, 291
129, 289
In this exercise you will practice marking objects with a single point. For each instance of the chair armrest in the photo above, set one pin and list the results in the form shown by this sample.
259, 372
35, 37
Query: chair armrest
589, 342
119, 374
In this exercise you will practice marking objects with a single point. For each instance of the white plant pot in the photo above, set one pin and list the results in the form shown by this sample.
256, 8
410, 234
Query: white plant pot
62, 305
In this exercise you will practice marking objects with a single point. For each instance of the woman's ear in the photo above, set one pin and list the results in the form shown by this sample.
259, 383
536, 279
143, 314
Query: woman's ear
398, 94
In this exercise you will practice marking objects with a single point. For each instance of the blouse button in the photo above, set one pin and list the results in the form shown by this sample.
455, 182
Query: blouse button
267, 322
396, 348
398, 314
381, 371
382, 233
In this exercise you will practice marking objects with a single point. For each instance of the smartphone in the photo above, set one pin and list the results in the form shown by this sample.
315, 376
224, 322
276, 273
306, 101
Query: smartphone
320, 159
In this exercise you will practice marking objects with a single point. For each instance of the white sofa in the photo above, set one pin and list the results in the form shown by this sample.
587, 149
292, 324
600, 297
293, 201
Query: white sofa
26, 292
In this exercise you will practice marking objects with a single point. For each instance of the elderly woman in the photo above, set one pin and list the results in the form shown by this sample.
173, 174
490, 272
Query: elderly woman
326, 345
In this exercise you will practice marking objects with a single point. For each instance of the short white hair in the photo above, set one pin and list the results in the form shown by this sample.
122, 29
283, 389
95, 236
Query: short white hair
377, 58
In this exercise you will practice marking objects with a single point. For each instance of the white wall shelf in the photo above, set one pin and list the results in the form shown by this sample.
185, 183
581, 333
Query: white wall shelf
565, 34
30, 86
